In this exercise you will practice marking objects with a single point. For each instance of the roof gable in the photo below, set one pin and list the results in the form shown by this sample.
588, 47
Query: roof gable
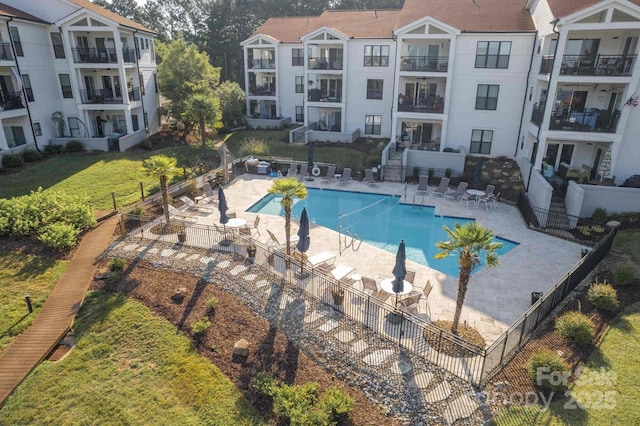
427, 25
603, 11
120, 20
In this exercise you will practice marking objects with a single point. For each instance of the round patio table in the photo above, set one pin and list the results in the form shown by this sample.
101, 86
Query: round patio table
387, 286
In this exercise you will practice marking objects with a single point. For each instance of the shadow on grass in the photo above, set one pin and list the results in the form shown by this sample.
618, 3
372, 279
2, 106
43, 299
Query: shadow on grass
96, 308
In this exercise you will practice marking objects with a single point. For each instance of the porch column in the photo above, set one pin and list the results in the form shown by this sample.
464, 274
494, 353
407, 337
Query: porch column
246, 80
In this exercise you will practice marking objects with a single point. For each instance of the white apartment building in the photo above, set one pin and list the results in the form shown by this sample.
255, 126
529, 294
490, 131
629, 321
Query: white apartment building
536, 80
70, 56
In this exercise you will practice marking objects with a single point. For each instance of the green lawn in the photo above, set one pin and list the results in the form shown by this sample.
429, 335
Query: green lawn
20, 274
129, 367
609, 390
628, 241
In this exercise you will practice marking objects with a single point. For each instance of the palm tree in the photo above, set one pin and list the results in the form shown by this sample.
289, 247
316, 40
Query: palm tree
164, 168
289, 188
469, 241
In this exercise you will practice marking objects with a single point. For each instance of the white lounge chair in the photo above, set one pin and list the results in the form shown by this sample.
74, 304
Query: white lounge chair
346, 176
274, 242
368, 177
303, 172
458, 192
330, 175
293, 171
193, 206
341, 271
442, 188
182, 214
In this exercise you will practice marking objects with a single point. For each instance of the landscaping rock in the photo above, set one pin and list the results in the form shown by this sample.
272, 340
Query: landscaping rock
102, 274
178, 296
241, 348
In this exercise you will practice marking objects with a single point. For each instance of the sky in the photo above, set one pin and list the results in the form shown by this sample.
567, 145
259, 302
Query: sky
141, 2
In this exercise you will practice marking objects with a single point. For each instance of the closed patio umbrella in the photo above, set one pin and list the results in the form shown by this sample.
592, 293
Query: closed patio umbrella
303, 233
399, 270
222, 206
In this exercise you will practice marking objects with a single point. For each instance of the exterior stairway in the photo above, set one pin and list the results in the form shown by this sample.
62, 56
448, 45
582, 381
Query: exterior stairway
393, 170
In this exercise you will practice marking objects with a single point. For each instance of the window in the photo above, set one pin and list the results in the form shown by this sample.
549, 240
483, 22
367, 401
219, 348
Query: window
374, 89
299, 84
297, 58
146, 122
26, 83
481, 141
493, 54
74, 126
372, 124
155, 82
37, 129
58, 48
15, 136
65, 84
153, 51
15, 36
141, 78
299, 114
487, 96
376, 56
134, 122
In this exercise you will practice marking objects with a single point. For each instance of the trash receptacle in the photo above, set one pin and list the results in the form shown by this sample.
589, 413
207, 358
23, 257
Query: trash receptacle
114, 142
535, 295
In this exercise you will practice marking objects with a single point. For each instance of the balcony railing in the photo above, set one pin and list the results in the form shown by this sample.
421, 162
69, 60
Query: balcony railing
94, 56
316, 95
425, 63
262, 91
325, 64
613, 65
537, 114
134, 94
5, 52
11, 100
100, 96
591, 120
262, 63
129, 55
546, 66
432, 104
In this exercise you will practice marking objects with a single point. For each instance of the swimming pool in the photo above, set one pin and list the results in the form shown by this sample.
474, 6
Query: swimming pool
380, 220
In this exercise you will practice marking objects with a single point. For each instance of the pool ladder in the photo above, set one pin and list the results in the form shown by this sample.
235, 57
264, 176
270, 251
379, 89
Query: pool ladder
352, 243
421, 194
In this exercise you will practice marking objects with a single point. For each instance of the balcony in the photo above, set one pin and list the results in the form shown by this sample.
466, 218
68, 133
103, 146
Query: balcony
129, 56
590, 65
263, 64
5, 52
591, 120
134, 94
537, 114
325, 64
269, 90
318, 95
11, 100
430, 104
425, 63
94, 56
100, 96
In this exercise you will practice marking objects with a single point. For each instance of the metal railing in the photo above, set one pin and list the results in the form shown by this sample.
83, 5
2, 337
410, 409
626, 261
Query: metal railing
546, 66
100, 96
94, 55
425, 63
537, 115
612, 65
5, 52
262, 90
591, 120
11, 100
434, 104
134, 94
262, 63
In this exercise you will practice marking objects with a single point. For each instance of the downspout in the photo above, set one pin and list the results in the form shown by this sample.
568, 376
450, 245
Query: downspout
139, 82
526, 89
553, 63
24, 93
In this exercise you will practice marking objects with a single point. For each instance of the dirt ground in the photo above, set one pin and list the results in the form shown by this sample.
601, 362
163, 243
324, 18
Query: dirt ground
232, 320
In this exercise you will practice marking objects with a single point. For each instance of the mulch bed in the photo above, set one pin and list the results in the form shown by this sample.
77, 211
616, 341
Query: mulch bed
465, 332
270, 350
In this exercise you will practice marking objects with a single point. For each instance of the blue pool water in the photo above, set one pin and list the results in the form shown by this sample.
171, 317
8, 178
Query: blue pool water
380, 220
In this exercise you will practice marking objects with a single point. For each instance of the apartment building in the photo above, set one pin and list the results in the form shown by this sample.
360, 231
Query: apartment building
94, 69
479, 77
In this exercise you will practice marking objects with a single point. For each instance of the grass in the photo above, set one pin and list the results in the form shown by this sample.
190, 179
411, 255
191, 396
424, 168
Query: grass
628, 241
96, 174
128, 367
20, 274
607, 390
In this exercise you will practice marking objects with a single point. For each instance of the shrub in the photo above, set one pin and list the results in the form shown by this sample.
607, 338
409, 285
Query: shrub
73, 146
138, 211
200, 327
31, 156
603, 296
58, 236
264, 383
117, 264
447, 173
191, 188
336, 402
623, 275
548, 370
255, 147
212, 303
576, 327
146, 144
600, 215
12, 161
53, 149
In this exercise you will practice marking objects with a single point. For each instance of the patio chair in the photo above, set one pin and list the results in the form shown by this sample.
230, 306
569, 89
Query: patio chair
410, 304
293, 171
490, 200
346, 176
369, 284
442, 188
410, 276
382, 296
303, 172
468, 197
273, 241
209, 196
458, 192
368, 177
330, 175
182, 214
253, 226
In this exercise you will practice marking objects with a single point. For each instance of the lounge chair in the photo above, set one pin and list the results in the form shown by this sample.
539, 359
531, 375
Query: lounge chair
330, 175
293, 171
458, 192
346, 176
273, 241
341, 271
322, 258
193, 206
182, 214
209, 196
303, 172
442, 188
368, 177
423, 185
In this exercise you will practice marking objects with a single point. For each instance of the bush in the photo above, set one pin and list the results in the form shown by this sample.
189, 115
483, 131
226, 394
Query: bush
576, 327
73, 146
212, 303
264, 383
53, 149
146, 144
255, 147
31, 156
548, 370
603, 296
58, 236
623, 275
117, 264
600, 215
12, 161
138, 211
336, 402
200, 327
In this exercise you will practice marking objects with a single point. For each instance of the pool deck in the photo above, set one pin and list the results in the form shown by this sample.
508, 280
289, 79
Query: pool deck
496, 297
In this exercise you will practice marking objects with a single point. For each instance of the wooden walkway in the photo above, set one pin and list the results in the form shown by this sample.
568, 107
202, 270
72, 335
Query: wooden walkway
57, 315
